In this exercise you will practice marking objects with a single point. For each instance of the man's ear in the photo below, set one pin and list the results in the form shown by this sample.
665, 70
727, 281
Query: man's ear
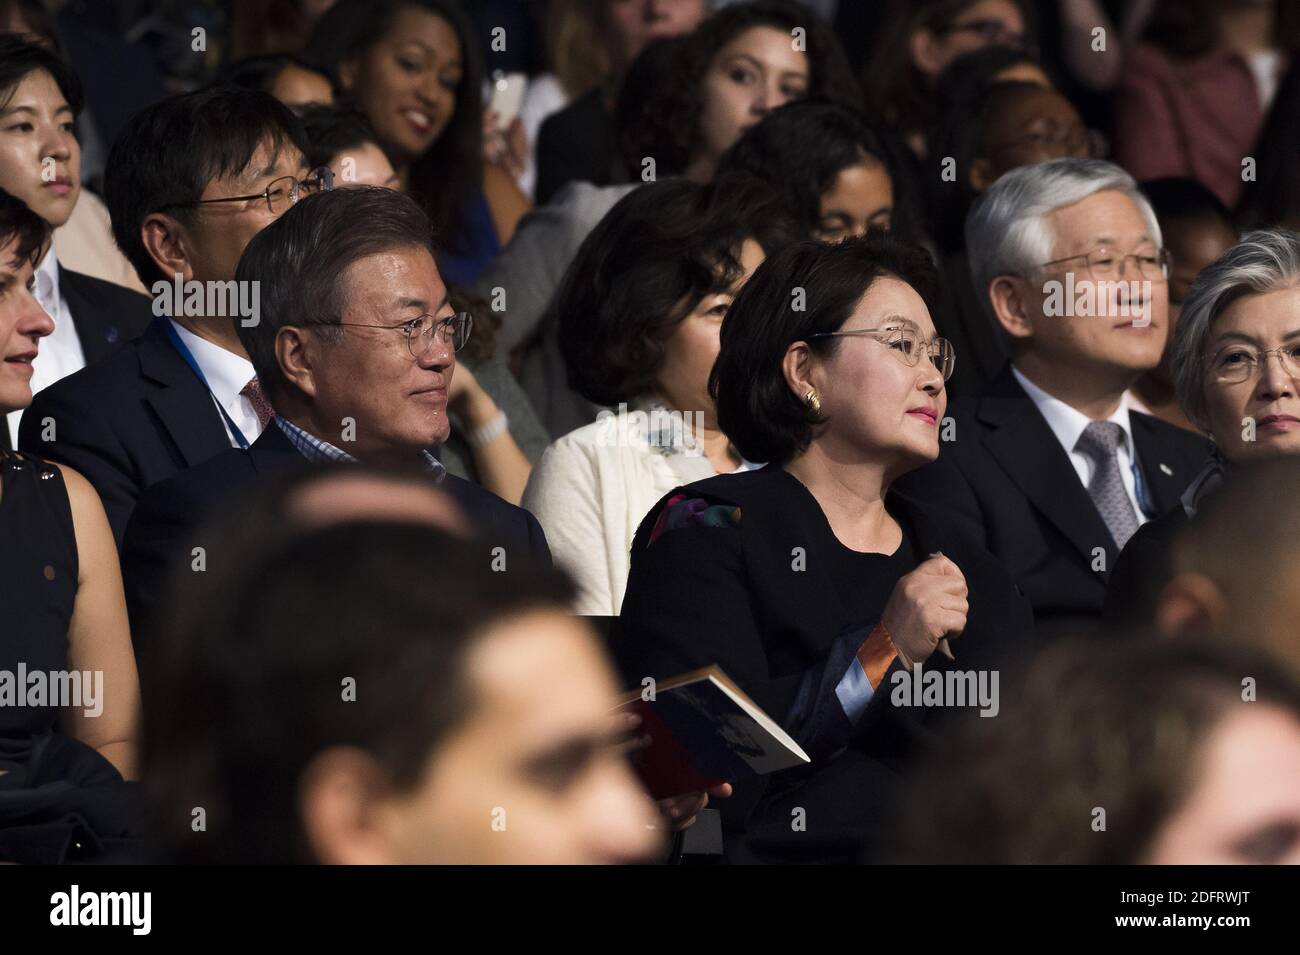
340, 795
167, 244
1190, 603
295, 354
924, 47
981, 174
1007, 296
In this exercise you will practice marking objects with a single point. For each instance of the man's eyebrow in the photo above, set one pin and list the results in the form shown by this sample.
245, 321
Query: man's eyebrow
17, 109
272, 162
574, 748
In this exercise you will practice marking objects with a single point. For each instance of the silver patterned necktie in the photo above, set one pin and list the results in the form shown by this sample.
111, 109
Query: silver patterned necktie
1100, 441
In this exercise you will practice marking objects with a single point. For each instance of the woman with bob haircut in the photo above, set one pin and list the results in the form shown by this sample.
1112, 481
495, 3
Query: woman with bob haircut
812, 584
639, 318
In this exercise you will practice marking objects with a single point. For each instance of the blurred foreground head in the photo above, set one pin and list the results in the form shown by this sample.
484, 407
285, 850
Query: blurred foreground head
353, 683
1175, 752
1234, 568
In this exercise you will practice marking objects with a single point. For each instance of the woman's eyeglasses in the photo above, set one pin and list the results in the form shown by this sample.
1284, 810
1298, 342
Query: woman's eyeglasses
907, 345
1234, 364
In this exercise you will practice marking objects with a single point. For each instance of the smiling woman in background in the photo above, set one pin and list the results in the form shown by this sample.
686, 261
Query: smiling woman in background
413, 67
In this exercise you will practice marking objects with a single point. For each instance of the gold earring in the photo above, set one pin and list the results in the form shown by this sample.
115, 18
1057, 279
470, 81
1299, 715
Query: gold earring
812, 401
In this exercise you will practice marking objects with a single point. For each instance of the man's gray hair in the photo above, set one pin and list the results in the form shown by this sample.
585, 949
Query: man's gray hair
1263, 261
1007, 231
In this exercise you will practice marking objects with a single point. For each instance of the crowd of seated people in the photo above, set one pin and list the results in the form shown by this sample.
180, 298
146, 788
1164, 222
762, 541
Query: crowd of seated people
928, 378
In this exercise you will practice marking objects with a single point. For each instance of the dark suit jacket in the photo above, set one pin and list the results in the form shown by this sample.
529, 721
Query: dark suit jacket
134, 418
702, 595
963, 319
105, 315
161, 530
1006, 481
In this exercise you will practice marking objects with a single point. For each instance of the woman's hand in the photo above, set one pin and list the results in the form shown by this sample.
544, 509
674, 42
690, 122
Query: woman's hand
465, 389
505, 147
927, 605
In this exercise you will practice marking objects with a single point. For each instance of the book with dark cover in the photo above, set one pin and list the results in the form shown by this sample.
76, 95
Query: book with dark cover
705, 731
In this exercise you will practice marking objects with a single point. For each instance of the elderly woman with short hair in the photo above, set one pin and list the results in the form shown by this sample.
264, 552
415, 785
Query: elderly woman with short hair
1236, 368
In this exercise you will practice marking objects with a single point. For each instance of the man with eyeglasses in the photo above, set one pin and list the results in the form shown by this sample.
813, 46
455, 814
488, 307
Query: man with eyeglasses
355, 349
1048, 466
189, 181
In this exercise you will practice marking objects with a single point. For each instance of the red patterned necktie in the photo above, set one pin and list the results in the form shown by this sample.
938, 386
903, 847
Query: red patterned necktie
261, 407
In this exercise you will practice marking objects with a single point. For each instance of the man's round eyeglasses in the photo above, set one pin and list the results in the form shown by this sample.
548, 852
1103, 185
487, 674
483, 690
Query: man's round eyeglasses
907, 345
278, 195
420, 332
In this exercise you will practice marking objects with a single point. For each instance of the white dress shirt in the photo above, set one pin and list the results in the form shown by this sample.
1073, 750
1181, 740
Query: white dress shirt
1068, 425
59, 354
227, 374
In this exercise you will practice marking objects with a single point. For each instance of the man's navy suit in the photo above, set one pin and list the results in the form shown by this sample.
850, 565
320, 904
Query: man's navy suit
139, 416
161, 533
105, 315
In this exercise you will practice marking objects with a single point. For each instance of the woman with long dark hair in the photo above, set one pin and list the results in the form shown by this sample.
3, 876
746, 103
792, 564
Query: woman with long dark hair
414, 68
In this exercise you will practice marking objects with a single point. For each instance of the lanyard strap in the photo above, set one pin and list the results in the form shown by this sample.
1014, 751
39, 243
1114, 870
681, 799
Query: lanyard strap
190, 360
1140, 488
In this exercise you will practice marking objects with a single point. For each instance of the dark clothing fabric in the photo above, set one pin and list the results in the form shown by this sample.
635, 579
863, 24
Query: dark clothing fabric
478, 246
1140, 574
139, 416
59, 799
105, 315
769, 594
38, 564
578, 144
160, 533
962, 319
1006, 482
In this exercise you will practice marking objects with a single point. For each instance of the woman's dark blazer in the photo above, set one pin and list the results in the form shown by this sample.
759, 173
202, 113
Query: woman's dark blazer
731, 595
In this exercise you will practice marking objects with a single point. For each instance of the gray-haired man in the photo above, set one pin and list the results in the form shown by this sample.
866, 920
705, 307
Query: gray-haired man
1048, 466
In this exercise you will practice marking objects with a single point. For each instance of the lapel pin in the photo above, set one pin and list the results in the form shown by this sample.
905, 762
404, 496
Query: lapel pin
1166, 470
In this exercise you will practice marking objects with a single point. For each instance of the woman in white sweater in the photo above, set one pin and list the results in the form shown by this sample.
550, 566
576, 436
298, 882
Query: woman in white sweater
639, 312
